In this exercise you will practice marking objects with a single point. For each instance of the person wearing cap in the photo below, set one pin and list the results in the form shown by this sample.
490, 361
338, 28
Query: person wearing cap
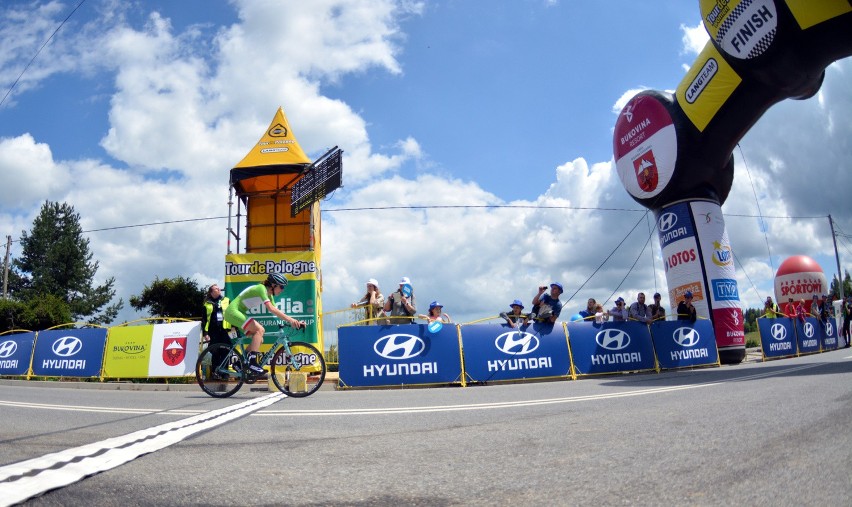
547, 307
685, 310
436, 312
790, 309
515, 315
401, 308
619, 312
373, 302
639, 310
770, 309
657, 310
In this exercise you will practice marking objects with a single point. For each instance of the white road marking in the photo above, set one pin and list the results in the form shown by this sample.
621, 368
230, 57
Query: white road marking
29, 478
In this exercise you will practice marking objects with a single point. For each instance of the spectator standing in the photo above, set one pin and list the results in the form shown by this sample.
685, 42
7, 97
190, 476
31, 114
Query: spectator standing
549, 306
402, 308
436, 312
214, 327
373, 301
515, 316
846, 309
639, 310
600, 315
657, 310
790, 309
589, 312
816, 308
685, 310
770, 309
619, 312
801, 310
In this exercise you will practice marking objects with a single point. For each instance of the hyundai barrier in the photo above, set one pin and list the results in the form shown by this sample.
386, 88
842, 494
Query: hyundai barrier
809, 334
610, 347
15, 353
69, 352
681, 343
497, 352
777, 337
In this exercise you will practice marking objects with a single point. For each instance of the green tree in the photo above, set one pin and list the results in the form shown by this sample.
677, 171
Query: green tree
55, 259
41, 313
751, 315
171, 297
847, 286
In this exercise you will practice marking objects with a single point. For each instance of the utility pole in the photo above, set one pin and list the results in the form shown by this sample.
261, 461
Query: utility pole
6, 268
836, 258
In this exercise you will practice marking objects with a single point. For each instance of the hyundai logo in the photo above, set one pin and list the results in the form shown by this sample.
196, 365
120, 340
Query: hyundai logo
809, 330
399, 346
67, 346
778, 331
667, 221
516, 342
8, 348
686, 337
613, 339
829, 329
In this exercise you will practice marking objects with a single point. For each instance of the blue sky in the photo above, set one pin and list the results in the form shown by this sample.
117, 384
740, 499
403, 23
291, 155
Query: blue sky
135, 112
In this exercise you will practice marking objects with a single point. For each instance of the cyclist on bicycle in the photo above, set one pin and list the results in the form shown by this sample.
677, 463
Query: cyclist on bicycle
251, 298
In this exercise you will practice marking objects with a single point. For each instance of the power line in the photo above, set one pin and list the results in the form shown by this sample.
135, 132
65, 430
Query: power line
9, 91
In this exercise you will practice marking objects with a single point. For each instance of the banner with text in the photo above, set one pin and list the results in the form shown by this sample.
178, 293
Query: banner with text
777, 337
69, 352
829, 335
397, 355
497, 352
809, 335
610, 347
15, 353
681, 343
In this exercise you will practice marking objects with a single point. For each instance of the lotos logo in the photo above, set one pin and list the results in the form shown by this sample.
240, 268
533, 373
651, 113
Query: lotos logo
778, 332
516, 342
399, 346
686, 337
612, 339
722, 255
679, 258
67, 346
8, 348
809, 329
667, 221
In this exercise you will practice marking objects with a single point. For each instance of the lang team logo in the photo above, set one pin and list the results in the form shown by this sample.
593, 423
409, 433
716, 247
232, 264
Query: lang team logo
686, 337
517, 343
612, 339
667, 221
174, 350
778, 332
399, 346
809, 329
8, 348
67, 346
646, 171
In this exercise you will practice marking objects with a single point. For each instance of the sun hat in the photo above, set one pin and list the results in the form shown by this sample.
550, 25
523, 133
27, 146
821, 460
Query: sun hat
404, 280
517, 302
373, 281
435, 304
558, 286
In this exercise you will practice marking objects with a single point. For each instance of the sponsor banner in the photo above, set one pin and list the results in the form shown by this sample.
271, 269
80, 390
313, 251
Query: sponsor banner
708, 84
676, 295
610, 347
680, 343
15, 353
128, 351
777, 337
69, 352
729, 326
645, 146
802, 285
174, 349
497, 352
725, 289
398, 355
299, 300
674, 223
809, 13
743, 29
809, 335
829, 335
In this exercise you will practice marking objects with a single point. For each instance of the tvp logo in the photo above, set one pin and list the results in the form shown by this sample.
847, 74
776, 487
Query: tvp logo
686, 336
613, 339
399, 346
778, 332
67, 346
517, 343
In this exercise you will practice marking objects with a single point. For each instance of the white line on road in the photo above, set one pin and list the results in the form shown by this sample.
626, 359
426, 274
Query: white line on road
29, 478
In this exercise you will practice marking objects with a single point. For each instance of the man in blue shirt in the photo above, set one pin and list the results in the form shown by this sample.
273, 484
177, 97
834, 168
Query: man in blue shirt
548, 305
589, 312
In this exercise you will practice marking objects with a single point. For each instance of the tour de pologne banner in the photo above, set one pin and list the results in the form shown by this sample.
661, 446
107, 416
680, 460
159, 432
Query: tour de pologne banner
69, 352
15, 353
299, 299
494, 352
159, 350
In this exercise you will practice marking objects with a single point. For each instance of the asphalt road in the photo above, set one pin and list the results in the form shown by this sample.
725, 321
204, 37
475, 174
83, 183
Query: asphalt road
775, 433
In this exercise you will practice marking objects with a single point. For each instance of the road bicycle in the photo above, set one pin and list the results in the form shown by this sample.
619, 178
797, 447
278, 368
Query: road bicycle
297, 368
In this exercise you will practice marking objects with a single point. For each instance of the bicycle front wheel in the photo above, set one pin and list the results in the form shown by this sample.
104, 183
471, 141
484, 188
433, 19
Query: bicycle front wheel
219, 370
299, 374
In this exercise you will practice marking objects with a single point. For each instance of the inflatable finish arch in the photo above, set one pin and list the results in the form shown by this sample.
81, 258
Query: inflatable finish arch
674, 153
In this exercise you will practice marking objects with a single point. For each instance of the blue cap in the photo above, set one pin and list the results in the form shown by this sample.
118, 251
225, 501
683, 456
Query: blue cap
435, 304
619, 300
517, 302
558, 285
687, 294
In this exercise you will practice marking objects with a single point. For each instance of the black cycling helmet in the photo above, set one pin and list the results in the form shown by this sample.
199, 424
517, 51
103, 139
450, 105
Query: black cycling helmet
277, 279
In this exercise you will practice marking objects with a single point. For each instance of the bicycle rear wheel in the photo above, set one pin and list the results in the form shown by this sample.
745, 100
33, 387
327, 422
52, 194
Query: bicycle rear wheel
298, 375
219, 370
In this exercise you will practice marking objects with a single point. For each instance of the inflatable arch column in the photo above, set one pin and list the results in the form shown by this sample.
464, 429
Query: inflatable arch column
674, 153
